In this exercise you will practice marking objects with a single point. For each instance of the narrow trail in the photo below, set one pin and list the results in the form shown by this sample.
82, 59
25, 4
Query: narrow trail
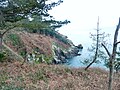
14, 53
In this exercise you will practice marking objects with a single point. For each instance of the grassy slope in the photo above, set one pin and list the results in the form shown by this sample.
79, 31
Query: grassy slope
52, 77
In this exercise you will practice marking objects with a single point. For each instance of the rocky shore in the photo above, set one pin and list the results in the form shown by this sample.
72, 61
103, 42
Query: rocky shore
61, 56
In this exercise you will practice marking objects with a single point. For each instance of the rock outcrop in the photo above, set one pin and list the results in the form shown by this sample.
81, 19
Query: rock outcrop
61, 56
80, 46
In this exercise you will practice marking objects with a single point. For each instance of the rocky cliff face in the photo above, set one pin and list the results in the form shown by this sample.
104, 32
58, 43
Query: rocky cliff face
61, 56
40, 48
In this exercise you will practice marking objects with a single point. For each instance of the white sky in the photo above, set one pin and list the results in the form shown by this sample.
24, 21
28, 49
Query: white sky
83, 15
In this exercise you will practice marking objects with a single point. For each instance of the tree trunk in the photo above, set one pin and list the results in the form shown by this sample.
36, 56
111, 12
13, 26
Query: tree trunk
112, 57
111, 74
97, 45
93, 59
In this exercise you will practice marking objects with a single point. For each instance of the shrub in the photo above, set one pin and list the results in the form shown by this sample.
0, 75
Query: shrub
15, 39
2, 56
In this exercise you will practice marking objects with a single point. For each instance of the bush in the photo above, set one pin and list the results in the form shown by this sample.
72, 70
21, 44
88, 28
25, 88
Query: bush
15, 39
2, 56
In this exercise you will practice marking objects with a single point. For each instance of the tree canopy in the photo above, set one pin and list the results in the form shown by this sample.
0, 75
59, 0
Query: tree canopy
29, 14
16, 10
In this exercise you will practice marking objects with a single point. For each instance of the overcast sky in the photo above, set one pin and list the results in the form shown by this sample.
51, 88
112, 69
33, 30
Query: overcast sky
83, 15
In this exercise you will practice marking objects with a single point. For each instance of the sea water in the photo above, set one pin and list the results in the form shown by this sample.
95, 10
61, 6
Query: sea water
86, 42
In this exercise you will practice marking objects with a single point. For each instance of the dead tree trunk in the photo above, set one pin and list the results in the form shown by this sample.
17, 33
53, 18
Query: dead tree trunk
112, 57
97, 45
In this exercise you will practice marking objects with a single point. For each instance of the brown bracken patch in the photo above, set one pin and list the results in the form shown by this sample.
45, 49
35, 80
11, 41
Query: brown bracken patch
53, 77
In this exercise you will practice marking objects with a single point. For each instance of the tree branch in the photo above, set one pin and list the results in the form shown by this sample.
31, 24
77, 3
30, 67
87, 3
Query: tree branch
8, 30
106, 49
117, 43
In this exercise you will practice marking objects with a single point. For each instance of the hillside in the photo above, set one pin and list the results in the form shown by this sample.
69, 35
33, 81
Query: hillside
31, 41
13, 76
40, 47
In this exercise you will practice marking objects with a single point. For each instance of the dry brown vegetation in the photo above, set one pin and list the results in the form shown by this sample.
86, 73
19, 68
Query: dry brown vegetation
13, 76
31, 41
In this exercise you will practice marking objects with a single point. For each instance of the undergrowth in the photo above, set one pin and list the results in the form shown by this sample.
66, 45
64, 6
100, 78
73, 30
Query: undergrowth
13, 76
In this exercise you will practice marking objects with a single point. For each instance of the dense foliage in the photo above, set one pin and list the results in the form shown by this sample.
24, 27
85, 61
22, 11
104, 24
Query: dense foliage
37, 10
32, 15
16, 10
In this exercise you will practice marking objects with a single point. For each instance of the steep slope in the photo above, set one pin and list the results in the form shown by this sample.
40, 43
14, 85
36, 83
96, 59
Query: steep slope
44, 43
23, 43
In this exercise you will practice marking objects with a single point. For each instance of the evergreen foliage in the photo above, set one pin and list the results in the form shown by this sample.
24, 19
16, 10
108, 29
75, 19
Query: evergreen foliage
32, 15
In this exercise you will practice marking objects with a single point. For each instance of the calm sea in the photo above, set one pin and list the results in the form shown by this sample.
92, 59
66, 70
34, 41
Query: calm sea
86, 42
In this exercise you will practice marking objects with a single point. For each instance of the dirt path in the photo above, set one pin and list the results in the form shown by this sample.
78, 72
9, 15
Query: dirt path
14, 53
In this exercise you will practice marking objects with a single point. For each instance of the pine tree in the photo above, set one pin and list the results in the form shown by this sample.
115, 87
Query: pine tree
17, 13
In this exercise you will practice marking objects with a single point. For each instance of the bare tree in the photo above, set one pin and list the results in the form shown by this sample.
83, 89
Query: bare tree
112, 56
97, 46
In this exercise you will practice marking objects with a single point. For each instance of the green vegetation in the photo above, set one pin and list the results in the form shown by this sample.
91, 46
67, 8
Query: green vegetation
2, 56
40, 58
117, 62
15, 39
33, 17
48, 59
23, 53
29, 15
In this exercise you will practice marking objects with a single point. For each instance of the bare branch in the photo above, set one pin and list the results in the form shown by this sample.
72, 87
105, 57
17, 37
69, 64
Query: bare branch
117, 43
97, 46
106, 49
